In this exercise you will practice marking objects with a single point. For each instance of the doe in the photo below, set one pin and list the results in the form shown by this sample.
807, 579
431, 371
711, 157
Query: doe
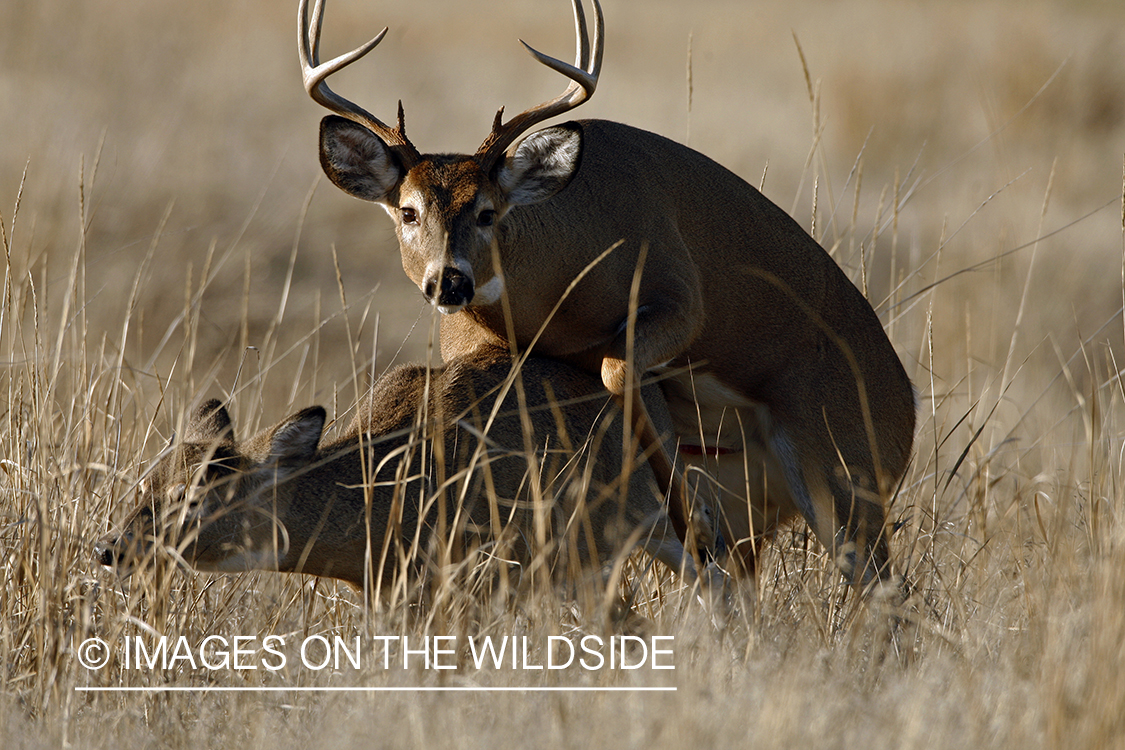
460, 465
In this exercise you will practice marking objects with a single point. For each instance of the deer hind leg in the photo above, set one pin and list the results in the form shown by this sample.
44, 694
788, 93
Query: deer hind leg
660, 543
729, 465
840, 501
748, 487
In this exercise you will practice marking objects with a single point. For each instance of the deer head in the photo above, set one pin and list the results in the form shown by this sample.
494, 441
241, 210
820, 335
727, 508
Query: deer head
447, 208
210, 502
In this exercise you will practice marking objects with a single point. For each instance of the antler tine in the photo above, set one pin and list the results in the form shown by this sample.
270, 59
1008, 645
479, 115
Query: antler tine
582, 43
315, 77
582, 74
583, 77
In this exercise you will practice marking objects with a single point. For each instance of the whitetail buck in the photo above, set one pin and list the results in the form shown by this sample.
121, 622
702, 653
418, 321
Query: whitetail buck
761, 329
438, 467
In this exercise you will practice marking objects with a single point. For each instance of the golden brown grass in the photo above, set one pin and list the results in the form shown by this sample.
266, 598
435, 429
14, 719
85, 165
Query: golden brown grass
164, 248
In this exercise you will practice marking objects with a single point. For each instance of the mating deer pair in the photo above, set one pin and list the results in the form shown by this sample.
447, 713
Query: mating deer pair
469, 467
620, 251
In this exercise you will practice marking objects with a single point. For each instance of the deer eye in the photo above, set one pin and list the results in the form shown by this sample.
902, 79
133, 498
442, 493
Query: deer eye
409, 215
177, 494
486, 218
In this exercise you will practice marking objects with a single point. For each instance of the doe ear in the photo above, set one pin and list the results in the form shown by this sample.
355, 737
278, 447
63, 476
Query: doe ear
295, 440
209, 423
356, 160
542, 165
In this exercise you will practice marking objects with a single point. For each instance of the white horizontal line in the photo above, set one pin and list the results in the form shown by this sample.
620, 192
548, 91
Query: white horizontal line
418, 689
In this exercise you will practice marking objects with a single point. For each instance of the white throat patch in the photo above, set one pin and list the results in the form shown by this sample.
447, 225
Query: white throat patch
490, 292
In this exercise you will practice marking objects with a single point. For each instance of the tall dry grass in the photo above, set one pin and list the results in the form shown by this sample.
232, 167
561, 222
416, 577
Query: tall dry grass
167, 244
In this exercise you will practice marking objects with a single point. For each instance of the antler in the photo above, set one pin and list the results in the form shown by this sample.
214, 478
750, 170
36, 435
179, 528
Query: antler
584, 79
314, 73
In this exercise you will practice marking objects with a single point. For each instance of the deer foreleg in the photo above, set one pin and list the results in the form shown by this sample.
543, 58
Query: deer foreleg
654, 332
694, 526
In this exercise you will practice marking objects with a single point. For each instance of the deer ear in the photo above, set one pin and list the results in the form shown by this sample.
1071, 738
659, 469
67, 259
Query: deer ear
209, 423
295, 440
542, 165
356, 160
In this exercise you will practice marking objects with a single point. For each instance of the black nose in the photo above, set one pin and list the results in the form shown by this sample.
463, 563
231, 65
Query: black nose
105, 552
450, 288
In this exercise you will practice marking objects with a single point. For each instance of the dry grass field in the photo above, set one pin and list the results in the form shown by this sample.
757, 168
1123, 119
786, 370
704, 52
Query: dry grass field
168, 238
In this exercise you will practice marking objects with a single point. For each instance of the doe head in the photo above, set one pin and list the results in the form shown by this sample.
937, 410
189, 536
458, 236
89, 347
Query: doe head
207, 501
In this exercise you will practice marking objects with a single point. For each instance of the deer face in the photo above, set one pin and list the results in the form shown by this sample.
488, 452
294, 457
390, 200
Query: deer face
447, 209
179, 511
446, 219
207, 501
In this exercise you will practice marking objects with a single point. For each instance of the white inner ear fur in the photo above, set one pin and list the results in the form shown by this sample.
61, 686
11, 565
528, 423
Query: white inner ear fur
541, 166
363, 164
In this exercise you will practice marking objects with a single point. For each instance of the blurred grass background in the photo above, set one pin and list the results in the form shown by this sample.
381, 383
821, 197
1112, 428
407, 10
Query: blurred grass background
970, 128
200, 109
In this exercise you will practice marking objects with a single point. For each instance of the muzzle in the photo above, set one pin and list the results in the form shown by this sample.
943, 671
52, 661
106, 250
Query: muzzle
450, 289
